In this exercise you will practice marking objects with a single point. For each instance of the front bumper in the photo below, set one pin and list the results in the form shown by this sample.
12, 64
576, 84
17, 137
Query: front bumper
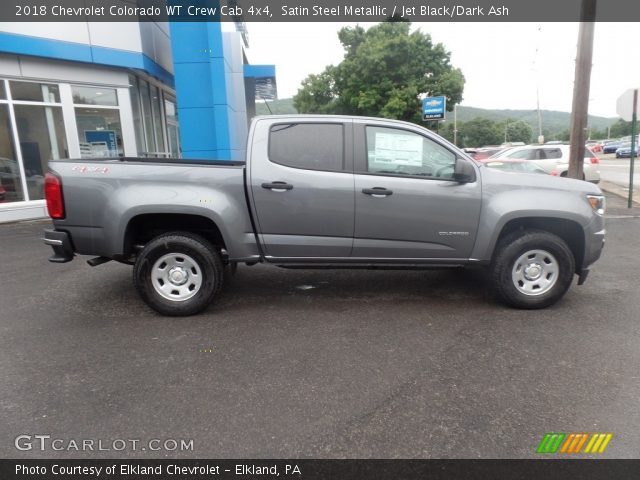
61, 244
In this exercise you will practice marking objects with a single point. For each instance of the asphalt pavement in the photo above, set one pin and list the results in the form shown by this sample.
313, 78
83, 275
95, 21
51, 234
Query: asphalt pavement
326, 364
616, 170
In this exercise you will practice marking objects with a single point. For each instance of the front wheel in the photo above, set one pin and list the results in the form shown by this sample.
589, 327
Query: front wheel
532, 269
178, 273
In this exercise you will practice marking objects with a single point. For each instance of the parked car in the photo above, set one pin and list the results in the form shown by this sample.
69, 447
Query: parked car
611, 147
594, 146
516, 166
554, 158
324, 192
625, 150
486, 152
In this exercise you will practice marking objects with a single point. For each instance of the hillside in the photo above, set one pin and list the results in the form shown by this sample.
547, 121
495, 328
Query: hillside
552, 121
278, 107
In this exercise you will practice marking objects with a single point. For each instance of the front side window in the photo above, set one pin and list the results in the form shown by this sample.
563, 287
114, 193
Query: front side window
400, 152
311, 146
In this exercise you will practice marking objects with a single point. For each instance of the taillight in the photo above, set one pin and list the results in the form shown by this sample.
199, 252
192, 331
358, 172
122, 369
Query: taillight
53, 194
594, 160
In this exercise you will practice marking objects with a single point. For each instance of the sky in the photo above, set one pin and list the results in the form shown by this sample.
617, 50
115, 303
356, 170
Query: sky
504, 64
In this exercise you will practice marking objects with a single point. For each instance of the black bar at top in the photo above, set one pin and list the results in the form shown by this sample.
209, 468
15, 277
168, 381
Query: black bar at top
312, 10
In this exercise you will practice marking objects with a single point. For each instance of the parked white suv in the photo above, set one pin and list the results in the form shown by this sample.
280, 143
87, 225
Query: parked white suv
554, 159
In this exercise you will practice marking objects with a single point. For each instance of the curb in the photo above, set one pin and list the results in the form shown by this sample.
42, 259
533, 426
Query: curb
620, 191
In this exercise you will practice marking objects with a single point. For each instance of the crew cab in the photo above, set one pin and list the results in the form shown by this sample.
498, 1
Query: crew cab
324, 192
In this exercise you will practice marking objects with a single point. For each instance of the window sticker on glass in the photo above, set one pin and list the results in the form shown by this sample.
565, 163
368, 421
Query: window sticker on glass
399, 149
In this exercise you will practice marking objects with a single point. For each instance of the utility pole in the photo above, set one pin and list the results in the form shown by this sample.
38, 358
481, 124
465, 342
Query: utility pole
580, 106
540, 137
455, 124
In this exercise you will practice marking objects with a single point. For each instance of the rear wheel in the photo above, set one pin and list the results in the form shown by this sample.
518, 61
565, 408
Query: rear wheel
532, 269
178, 273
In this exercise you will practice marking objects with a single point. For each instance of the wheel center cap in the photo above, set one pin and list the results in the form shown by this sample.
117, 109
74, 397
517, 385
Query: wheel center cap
178, 276
532, 271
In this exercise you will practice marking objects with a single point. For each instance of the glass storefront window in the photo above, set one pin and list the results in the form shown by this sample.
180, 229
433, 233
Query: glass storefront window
147, 115
137, 113
94, 96
35, 92
10, 179
157, 119
173, 130
100, 132
42, 137
3, 94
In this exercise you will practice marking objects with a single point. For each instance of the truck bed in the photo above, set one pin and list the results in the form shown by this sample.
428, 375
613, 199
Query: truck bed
104, 196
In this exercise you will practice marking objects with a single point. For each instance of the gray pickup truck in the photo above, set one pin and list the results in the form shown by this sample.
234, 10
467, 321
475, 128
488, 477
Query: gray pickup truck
324, 192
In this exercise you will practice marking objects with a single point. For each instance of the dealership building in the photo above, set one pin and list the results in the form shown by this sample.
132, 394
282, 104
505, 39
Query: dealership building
95, 90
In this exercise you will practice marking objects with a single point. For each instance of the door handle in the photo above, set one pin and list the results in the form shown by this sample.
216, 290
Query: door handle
277, 186
377, 192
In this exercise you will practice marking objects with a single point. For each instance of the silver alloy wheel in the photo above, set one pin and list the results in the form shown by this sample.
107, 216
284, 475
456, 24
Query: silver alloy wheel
176, 277
535, 272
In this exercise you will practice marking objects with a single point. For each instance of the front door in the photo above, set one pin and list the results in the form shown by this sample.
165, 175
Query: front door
408, 206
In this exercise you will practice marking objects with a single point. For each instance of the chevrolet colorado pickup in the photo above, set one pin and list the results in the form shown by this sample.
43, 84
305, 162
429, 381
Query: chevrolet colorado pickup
324, 192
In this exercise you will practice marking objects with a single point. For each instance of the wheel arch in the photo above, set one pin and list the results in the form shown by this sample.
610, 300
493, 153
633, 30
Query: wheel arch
143, 227
568, 230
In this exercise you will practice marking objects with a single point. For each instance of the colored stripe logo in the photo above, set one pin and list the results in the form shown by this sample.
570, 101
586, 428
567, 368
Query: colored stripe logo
573, 443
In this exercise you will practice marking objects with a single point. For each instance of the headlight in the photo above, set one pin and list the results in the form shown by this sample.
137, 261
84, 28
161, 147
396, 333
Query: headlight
598, 203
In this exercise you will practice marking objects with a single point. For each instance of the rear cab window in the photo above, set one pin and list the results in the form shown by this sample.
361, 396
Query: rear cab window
309, 146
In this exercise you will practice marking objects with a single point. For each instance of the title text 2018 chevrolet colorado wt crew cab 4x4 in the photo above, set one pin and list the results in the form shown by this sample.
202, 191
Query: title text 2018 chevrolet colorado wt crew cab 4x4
324, 191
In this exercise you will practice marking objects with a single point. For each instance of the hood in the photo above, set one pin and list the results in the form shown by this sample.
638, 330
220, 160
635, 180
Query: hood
515, 180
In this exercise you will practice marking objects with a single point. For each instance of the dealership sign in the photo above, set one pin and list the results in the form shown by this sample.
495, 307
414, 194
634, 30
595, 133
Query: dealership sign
433, 108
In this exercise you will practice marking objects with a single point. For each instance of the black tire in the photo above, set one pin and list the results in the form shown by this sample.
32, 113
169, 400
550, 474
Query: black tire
555, 269
201, 269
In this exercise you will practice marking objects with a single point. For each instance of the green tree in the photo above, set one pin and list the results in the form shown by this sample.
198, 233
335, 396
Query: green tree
385, 72
446, 131
620, 129
517, 131
479, 132
596, 134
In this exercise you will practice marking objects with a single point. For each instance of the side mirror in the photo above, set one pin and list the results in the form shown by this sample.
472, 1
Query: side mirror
464, 172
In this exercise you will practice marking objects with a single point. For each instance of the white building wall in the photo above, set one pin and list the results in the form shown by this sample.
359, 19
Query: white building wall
149, 38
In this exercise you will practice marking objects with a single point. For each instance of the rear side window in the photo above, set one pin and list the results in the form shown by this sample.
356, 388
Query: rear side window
312, 146
552, 153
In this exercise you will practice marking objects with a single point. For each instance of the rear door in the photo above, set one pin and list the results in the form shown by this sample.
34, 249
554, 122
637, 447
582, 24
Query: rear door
407, 204
301, 179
